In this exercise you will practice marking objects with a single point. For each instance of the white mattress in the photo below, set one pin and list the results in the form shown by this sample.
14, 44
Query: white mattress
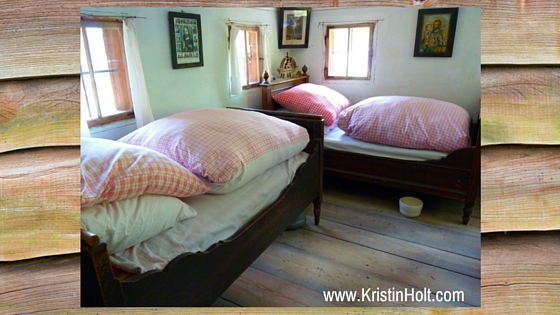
336, 139
219, 217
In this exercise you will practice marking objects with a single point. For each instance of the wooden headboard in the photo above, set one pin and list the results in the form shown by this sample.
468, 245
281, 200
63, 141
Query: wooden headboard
271, 88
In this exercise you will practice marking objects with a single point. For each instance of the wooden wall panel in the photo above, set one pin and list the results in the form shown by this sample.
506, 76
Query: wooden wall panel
511, 31
40, 202
43, 286
520, 188
39, 113
520, 105
39, 188
39, 38
521, 273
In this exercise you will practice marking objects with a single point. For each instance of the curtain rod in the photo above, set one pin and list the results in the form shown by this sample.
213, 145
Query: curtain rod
346, 22
253, 23
93, 15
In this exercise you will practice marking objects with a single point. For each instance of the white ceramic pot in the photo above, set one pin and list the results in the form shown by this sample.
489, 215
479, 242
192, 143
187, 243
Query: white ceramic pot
410, 207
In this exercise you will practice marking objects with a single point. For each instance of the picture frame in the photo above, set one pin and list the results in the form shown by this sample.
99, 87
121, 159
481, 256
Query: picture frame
293, 27
186, 40
435, 32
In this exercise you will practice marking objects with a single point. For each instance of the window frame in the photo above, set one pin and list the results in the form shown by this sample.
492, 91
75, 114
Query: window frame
107, 119
371, 26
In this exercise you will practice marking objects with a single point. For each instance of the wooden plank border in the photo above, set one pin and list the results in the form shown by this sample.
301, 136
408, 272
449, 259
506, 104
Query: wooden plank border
39, 113
40, 202
40, 38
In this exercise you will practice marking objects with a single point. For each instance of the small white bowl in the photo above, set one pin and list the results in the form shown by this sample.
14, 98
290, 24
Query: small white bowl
410, 207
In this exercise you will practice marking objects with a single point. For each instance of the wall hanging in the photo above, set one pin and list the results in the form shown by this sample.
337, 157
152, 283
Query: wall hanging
293, 27
186, 40
435, 32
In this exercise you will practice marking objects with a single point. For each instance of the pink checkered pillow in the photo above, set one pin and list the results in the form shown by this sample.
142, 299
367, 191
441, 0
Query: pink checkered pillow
226, 147
408, 122
313, 99
112, 171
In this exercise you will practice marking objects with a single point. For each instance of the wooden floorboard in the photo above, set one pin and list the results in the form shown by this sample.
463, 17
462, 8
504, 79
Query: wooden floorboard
363, 242
407, 230
428, 255
261, 288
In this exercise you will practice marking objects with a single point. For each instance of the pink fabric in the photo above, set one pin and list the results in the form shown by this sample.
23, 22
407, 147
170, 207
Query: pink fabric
313, 99
215, 143
408, 122
112, 171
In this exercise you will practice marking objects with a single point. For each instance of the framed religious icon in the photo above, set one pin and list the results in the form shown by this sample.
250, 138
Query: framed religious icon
186, 40
293, 27
435, 32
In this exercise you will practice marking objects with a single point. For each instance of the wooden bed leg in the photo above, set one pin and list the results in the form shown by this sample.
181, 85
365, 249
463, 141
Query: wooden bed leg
467, 210
317, 210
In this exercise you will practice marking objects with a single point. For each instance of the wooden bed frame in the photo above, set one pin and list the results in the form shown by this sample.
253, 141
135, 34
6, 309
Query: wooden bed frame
198, 279
456, 176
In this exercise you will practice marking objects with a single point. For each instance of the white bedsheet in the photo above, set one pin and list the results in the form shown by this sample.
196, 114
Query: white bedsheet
336, 139
219, 217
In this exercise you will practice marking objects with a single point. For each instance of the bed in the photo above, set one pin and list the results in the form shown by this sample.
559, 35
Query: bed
454, 175
199, 277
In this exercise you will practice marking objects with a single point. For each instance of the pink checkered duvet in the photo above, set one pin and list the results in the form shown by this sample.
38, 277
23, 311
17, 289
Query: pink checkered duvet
113, 171
408, 122
315, 99
225, 147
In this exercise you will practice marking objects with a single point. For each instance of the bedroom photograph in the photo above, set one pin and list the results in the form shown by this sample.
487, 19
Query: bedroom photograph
280, 157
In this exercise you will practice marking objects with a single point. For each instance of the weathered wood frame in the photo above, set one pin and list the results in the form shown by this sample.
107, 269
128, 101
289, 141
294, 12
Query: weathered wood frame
519, 49
198, 279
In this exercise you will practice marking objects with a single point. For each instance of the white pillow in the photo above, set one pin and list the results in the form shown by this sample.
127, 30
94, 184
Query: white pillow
125, 223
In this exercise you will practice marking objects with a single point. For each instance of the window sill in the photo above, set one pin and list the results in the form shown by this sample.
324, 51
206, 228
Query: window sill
110, 119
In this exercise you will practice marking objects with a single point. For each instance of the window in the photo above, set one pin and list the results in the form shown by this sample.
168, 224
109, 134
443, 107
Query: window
349, 51
248, 51
104, 79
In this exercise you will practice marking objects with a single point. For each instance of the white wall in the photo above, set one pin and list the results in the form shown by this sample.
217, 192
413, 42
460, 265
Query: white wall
396, 71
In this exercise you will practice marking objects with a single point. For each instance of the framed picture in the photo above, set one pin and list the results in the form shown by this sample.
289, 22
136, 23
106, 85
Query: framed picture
293, 27
435, 32
186, 40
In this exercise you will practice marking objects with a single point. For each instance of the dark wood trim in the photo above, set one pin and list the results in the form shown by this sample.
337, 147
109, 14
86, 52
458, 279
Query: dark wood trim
457, 176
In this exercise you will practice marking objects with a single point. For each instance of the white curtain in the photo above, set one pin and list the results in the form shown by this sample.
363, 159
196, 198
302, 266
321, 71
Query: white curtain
140, 100
84, 129
235, 79
265, 35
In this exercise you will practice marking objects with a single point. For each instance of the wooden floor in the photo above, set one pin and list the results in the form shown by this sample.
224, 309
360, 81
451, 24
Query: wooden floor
362, 243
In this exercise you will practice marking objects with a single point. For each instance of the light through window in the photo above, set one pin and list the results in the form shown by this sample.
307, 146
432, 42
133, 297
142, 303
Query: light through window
248, 50
349, 51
